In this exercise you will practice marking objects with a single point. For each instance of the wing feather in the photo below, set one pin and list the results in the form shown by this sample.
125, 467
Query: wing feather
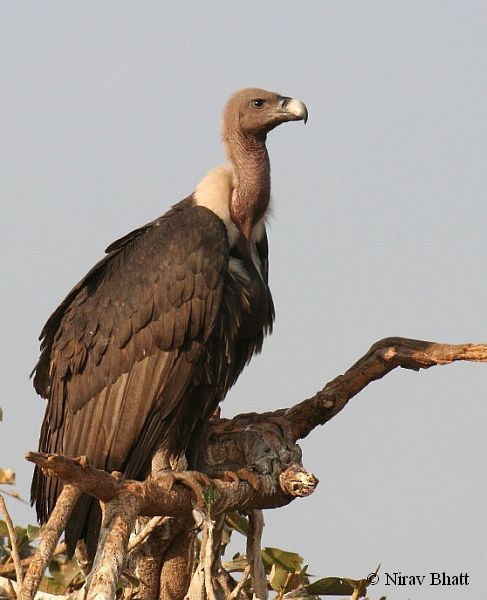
120, 352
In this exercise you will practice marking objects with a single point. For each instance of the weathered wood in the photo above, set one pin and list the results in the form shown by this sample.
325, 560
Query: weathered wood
261, 452
48, 541
119, 515
14, 550
9, 590
156, 498
384, 356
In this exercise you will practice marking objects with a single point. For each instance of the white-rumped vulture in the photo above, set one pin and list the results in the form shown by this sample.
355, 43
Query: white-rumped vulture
141, 351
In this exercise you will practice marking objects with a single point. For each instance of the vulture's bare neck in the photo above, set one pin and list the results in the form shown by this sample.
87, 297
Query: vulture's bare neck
252, 179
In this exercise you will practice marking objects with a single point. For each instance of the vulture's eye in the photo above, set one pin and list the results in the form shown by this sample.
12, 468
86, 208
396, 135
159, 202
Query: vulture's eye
257, 103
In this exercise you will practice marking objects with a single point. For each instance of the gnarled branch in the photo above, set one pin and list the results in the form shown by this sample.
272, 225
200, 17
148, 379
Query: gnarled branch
383, 356
49, 539
260, 448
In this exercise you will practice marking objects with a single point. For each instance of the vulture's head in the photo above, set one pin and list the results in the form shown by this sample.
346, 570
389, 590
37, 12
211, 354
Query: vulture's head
253, 112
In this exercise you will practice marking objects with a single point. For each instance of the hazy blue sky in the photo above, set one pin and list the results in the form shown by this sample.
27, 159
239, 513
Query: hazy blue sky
110, 113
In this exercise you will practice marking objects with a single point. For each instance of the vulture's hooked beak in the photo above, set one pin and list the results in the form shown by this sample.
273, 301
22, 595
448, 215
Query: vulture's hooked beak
294, 109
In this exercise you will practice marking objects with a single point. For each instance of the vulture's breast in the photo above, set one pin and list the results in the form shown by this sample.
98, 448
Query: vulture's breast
247, 307
249, 292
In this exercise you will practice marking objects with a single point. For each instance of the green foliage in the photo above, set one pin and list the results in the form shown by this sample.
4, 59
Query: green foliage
237, 564
237, 522
289, 561
286, 572
33, 532
336, 586
24, 535
210, 496
287, 575
64, 575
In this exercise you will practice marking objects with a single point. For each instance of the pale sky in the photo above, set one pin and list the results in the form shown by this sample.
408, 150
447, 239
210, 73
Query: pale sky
110, 113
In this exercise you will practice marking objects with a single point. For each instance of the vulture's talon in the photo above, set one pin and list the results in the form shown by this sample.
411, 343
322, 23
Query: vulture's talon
250, 477
238, 476
229, 476
196, 482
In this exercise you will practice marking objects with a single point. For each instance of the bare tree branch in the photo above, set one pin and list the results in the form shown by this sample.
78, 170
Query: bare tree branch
256, 464
146, 531
49, 539
209, 557
157, 497
13, 541
9, 568
9, 588
119, 517
384, 356
234, 595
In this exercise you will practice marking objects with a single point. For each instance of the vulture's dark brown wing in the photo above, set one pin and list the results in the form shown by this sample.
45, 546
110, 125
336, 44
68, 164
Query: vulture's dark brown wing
122, 348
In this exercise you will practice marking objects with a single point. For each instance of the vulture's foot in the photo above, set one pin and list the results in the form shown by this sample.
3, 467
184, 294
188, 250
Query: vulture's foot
195, 481
237, 476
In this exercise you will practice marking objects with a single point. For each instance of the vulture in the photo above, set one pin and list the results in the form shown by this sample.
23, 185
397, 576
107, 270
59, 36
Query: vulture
141, 351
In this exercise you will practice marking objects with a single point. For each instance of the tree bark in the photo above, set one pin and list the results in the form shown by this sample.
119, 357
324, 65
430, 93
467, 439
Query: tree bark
256, 464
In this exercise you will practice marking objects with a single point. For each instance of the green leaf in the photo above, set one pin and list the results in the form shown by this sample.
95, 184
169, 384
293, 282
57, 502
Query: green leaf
237, 564
1, 414
211, 496
226, 536
237, 521
336, 586
64, 574
49, 585
22, 540
289, 561
278, 578
20, 532
3, 529
33, 532
330, 586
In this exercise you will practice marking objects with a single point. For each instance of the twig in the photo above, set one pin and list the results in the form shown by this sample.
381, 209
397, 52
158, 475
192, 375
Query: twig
25, 562
11, 590
15, 496
240, 585
383, 357
266, 443
13, 541
49, 539
8, 589
196, 588
146, 531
